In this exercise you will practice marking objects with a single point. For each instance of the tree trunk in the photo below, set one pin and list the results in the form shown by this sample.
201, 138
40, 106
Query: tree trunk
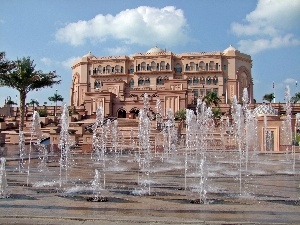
22, 110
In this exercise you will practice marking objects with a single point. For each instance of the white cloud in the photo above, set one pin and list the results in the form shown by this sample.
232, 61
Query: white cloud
270, 25
46, 61
120, 50
143, 25
68, 63
251, 46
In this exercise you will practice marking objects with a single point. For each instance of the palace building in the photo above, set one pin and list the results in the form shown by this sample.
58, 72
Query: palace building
118, 83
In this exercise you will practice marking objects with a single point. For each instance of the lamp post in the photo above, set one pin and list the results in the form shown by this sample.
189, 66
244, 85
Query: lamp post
55, 102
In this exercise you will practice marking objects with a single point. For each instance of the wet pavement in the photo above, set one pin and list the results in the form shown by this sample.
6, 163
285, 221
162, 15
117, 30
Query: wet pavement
267, 192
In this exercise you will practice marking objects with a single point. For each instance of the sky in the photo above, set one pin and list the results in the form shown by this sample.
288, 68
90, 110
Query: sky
55, 33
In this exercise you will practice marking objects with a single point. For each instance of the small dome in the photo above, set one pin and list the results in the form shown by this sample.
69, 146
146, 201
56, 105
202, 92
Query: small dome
89, 55
230, 48
265, 109
155, 50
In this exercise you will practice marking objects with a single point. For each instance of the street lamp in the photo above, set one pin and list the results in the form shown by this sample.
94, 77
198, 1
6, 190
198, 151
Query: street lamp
55, 102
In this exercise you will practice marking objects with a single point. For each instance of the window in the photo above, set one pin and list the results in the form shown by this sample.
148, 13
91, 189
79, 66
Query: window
141, 81
206, 66
215, 80
97, 84
108, 69
100, 69
159, 81
217, 66
162, 65
118, 69
202, 80
153, 65
190, 81
202, 92
216, 90
131, 71
131, 83
196, 80
168, 66
208, 80
211, 65
147, 81
202, 65
195, 93
192, 66
178, 68
224, 67
143, 66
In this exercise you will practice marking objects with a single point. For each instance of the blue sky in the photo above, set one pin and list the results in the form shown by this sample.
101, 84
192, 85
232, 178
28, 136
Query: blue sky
54, 33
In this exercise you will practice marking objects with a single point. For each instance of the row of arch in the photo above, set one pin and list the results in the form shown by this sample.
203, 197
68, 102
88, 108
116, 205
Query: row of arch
153, 66
145, 81
121, 112
209, 80
198, 66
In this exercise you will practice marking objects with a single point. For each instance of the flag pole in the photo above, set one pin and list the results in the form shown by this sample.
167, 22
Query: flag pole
274, 90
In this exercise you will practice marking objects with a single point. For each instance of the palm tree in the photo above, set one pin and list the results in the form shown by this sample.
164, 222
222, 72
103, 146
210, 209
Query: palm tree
296, 98
10, 102
33, 103
56, 98
23, 77
5, 65
269, 97
211, 98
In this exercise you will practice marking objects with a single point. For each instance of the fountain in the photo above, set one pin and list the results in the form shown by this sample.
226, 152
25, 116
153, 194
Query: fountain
3, 181
220, 171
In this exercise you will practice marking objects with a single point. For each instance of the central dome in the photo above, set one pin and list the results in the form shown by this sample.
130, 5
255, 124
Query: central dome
155, 50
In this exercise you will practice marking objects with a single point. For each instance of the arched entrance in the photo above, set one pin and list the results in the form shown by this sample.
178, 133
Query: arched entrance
135, 111
121, 113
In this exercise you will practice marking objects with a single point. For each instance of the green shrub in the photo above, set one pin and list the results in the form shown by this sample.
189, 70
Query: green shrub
42, 112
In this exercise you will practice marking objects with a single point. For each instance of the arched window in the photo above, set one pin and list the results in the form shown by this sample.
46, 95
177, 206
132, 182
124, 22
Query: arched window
192, 66
202, 80
211, 65
147, 81
153, 65
178, 68
215, 80
121, 113
168, 66
122, 69
159, 81
162, 65
140, 81
97, 84
143, 66
190, 81
117, 69
108, 69
202, 65
208, 80
131, 71
195, 80
131, 83
100, 69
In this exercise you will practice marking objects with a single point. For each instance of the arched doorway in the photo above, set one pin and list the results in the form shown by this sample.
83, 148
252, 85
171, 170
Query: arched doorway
121, 113
135, 111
